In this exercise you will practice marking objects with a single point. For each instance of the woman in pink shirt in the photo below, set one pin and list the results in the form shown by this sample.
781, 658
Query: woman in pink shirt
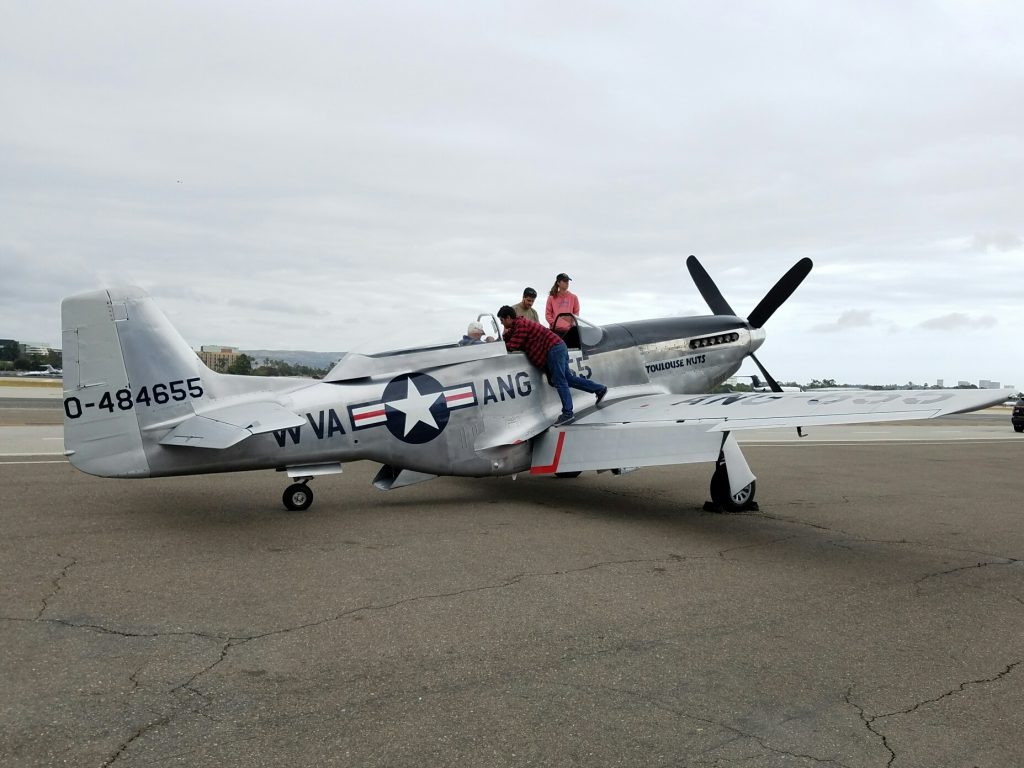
561, 300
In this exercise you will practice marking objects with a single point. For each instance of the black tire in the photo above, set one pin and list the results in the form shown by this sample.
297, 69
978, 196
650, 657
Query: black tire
567, 475
298, 497
1018, 427
729, 502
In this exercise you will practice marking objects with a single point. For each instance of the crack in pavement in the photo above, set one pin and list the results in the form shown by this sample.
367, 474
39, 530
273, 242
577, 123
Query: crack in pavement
136, 734
108, 631
56, 585
1011, 561
869, 723
738, 733
509, 582
176, 708
869, 720
959, 689
232, 641
228, 642
187, 685
847, 535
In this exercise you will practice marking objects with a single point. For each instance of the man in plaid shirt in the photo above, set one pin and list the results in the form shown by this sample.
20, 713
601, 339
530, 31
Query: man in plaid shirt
546, 350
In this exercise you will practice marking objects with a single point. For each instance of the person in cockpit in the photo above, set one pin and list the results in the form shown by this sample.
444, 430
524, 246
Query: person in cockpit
474, 335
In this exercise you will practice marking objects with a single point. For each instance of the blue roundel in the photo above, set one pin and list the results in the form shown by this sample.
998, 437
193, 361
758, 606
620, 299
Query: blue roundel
415, 407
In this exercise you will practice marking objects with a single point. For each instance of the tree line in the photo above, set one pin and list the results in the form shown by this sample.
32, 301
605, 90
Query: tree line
13, 359
243, 365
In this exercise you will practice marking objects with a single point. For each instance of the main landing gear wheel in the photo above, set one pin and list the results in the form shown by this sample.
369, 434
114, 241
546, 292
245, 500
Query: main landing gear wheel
1018, 427
729, 502
298, 497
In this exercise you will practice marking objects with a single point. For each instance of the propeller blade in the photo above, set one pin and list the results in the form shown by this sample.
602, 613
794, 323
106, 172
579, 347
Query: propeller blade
708, 289
781, 291
767, 376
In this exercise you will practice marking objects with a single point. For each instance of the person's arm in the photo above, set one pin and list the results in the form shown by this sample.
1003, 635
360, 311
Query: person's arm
549, 311
576, 305
515, 336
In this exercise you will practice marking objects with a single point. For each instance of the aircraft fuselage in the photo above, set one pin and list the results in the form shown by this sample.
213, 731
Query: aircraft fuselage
472, 418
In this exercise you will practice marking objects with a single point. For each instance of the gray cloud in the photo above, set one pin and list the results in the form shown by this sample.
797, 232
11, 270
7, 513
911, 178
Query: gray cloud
999, 241
956, 321
358, 176
848, 320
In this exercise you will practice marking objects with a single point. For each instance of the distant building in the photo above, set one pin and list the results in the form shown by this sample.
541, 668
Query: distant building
963, 383
217, 358
939, 383
986, 384
37, 349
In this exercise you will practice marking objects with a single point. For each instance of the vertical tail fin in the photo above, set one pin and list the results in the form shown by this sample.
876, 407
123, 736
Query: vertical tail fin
125, 369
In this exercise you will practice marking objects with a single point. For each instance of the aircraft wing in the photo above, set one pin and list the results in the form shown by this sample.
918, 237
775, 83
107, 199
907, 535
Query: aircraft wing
223, 427
659, 429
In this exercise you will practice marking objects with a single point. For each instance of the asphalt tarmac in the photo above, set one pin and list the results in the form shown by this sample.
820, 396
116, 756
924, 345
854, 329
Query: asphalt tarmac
871, 614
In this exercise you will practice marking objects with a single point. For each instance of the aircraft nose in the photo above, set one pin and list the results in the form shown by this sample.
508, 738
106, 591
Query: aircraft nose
757, 337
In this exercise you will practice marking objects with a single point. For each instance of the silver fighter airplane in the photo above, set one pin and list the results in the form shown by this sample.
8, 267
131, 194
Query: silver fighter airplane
138, 402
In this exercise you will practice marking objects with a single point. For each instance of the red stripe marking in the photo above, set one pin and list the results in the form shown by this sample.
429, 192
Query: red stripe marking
463, 396
370, 414
553, 466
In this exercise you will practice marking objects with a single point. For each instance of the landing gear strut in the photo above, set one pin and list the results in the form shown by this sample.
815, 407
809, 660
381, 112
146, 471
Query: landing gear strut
722, 500
298, 496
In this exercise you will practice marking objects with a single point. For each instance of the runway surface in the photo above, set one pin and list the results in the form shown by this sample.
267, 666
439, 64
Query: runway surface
871, 614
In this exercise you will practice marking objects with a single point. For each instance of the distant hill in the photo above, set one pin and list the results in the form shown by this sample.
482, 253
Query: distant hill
295, 356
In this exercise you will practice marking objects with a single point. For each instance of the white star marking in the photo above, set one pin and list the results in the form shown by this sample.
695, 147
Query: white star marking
416, 407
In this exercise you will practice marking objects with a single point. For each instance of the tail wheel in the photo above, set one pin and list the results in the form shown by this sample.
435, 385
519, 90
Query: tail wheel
721, 495
298, 497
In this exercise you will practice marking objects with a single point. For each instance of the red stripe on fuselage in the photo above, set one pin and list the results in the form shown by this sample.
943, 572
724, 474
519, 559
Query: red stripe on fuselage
370, 414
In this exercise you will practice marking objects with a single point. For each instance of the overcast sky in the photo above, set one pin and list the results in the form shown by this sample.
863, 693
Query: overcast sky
366, 176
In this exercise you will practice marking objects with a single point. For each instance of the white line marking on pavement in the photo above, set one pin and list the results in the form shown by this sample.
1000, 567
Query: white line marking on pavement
819, 443
12, 463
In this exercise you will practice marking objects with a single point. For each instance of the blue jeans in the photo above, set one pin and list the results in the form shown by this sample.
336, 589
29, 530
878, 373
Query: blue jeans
562, 378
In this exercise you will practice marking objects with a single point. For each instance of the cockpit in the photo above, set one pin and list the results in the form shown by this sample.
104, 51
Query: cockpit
580, 334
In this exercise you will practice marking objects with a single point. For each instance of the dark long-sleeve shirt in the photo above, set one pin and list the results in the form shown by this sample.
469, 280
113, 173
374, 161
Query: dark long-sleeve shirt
532, 338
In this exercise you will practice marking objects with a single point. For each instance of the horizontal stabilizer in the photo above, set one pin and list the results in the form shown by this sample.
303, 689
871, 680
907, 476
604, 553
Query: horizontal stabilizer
223, 427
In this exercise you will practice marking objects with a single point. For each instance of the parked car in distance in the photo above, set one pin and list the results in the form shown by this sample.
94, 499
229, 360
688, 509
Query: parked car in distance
1017, 417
